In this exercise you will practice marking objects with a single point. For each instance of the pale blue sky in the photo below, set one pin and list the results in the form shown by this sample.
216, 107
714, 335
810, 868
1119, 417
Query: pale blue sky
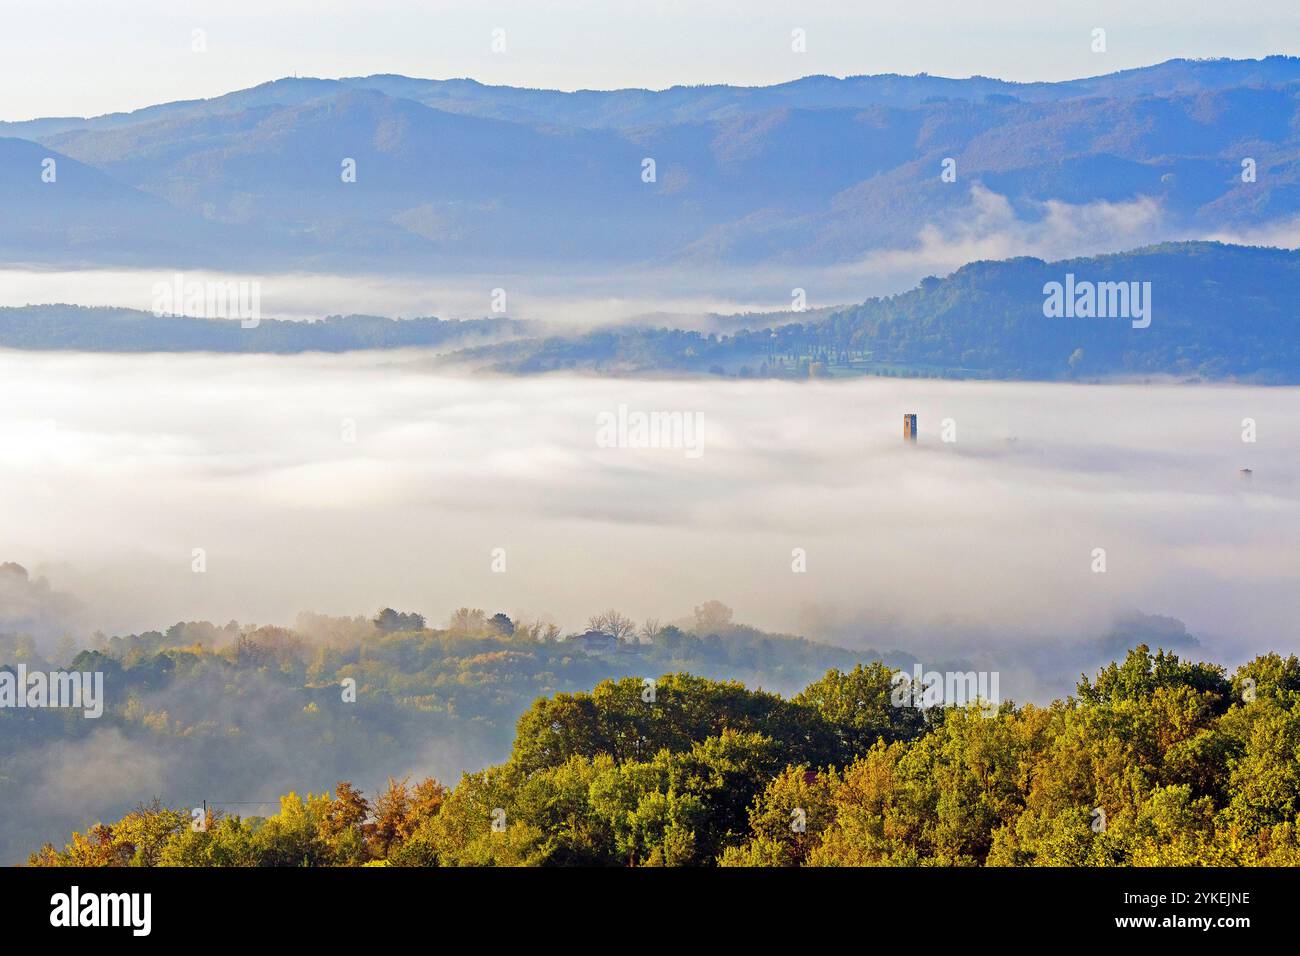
84, 57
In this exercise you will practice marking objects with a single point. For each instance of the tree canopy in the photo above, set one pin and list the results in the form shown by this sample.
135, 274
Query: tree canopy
1154, 761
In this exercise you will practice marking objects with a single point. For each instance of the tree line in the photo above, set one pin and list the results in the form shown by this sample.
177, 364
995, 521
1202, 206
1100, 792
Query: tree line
1155, 760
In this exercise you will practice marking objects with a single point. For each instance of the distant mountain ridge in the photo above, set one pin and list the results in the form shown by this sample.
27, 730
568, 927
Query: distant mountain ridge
629, 107
818, 171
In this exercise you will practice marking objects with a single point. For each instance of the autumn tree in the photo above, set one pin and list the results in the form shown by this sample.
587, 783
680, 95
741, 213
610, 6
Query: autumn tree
712, 617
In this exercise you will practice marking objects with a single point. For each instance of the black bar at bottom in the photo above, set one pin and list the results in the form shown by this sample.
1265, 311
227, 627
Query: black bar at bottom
346, 905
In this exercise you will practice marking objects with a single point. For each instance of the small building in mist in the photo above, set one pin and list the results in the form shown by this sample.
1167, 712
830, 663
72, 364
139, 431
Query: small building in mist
594, 642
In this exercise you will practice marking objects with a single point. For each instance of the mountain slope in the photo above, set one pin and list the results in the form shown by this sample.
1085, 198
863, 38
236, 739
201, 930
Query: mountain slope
817, 172
1216, 311
55, 207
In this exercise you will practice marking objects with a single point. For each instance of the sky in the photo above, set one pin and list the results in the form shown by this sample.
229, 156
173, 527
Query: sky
87, 57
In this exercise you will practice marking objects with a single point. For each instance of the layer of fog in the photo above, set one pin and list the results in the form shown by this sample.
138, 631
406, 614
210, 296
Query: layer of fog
113, 469
987, 226
565, 300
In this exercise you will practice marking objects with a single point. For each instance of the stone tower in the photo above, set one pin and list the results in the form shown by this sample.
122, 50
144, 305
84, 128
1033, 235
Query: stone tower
909, 428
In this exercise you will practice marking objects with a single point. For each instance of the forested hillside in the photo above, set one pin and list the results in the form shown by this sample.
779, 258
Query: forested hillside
1216, 312
129, 330
1153, 761
238, 713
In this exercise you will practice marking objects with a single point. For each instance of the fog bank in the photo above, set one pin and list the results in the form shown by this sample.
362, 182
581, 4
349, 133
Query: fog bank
345, 483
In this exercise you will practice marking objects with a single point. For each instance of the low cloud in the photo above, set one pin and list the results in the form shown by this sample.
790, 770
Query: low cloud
1283, 234
954, 548
990, 227
29, 606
